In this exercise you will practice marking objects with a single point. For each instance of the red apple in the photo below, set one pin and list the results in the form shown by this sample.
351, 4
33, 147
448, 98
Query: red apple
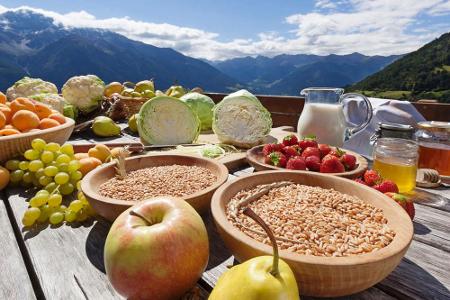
157, 249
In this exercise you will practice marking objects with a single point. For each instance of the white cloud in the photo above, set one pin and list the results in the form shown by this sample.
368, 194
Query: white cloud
367, 26
441, 9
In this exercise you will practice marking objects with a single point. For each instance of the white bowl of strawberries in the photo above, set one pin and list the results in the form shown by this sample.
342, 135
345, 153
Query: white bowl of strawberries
306, 155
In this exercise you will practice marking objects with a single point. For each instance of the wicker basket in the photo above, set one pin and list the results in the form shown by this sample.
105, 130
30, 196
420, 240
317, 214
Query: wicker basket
120, 107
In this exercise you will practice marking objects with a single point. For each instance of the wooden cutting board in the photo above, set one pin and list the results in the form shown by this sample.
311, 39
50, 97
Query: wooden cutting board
232, 161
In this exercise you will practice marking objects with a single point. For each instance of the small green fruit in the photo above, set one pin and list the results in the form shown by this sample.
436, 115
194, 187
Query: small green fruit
104, 127
113, 87
127, 92
132, 124
148, 94
143, 85
136, 94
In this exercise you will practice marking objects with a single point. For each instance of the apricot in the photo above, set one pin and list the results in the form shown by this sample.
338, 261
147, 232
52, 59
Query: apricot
79, 156
48, 123
25, 120
22, 104
2, 98
4, 177
6, 132
2, 120
88, 164
7, 112
42, 110
58, 117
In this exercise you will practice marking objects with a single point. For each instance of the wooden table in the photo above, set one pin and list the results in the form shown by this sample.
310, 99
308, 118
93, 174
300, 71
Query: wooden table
66, 261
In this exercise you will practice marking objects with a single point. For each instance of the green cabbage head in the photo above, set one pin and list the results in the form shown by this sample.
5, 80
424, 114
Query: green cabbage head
165, 120
241, 120
202, 105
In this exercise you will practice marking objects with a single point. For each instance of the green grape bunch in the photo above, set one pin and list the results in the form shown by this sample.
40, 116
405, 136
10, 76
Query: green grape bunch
53, 169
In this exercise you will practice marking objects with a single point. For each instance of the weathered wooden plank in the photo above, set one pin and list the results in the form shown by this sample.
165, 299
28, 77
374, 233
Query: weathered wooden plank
432, 227
422, 274
15, 282
68, 260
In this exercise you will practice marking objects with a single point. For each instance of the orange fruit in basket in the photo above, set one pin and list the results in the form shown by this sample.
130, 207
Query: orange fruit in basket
58, 117
48, 123
7, 112
25, 120
22, 104
6, 132
2, 98
2, 120
42, 110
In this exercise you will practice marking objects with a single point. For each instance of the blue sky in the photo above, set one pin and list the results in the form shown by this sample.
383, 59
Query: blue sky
224, 29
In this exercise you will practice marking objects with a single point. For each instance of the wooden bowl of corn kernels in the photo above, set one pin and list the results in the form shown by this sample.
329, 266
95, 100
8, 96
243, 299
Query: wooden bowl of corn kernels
339, 237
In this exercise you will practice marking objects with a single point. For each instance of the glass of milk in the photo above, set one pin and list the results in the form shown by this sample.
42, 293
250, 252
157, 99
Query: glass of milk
323, 115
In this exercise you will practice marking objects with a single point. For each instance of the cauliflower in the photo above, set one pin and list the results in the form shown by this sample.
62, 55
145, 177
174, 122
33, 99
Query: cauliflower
27, 86
84, 92
53, 100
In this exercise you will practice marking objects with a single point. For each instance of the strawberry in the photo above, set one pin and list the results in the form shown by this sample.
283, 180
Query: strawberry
267, 149
291, 151
296, 163
404, 202
324, 149
311, 151
327, 157
371, 177
349, 161
359, 180
276, 159
278, 147
308, 141
387, 186
336, 152
290, 140
331, 165
313, 163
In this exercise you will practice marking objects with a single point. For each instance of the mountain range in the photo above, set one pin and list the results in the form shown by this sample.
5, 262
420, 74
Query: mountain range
33, 45
424, 73
288, 74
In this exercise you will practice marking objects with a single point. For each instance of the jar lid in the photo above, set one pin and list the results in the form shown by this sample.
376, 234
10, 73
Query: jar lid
434, 126
395, 126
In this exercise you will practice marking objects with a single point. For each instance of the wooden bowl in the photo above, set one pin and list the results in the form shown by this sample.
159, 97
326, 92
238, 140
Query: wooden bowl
317, 275
13, 145
255, 158
110, 208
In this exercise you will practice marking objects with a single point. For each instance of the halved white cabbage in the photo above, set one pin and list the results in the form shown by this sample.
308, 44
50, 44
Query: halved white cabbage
241, 120
165, 120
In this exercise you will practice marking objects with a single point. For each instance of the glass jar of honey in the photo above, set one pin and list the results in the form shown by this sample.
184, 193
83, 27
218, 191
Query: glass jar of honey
396, 159
434, 146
